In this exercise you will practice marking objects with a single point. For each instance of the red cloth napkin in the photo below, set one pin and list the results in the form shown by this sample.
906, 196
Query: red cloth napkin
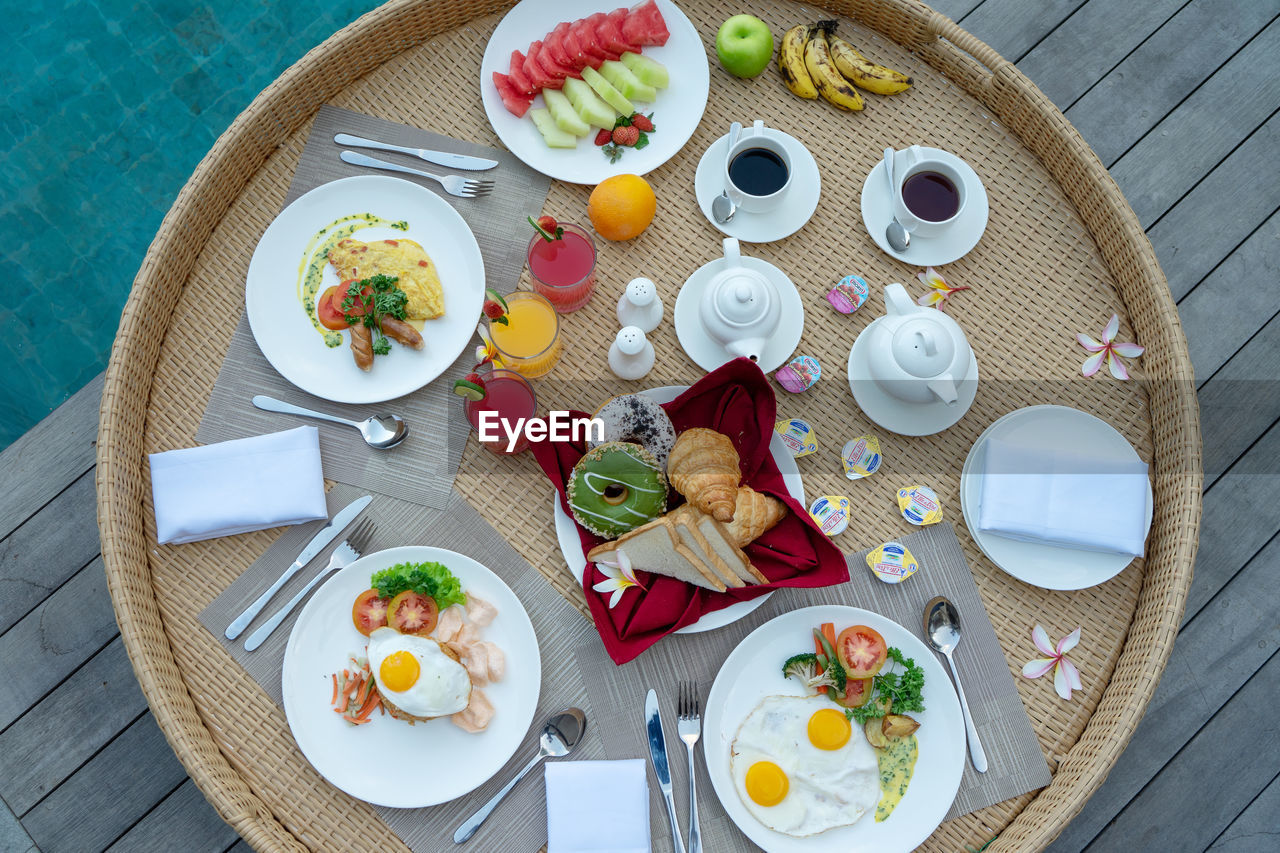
737, 400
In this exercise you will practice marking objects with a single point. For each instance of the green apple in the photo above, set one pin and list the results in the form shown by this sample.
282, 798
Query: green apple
744, 45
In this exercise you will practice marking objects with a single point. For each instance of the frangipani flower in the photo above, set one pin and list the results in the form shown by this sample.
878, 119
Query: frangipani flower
1065, 675
620, 577
487, 353
1108, 349
939, 291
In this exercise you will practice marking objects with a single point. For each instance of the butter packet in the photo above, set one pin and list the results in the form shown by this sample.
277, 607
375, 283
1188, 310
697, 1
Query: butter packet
849, 294
830, 513
892, 562
797, 435
919, 505
861, 457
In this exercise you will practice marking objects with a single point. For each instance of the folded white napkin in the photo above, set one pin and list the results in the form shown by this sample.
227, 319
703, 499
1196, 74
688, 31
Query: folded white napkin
597, 807
237, 486
1070, 500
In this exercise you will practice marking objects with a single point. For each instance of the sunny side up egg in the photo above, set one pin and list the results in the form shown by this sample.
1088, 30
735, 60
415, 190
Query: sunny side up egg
416, 675
800, 768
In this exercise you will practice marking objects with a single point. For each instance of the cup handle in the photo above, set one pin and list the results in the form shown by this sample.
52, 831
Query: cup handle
757, 127
732, 252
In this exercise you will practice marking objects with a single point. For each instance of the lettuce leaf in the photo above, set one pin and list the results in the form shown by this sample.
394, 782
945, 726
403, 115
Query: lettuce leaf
433, 579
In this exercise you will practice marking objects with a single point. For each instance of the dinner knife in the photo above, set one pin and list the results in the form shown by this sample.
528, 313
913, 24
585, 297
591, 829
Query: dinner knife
440, 158
658, 753
326, 535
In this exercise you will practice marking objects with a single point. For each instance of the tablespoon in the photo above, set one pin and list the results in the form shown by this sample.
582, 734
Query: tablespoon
380, 431
560, 735
722, 206
897, 236
942, 631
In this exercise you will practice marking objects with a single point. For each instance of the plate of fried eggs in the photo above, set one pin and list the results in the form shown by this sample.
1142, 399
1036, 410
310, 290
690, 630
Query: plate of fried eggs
790, 769
390, 761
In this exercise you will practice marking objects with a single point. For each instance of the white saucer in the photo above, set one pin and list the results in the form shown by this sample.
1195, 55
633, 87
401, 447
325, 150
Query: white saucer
1059, 428
708, 354
898, 415
784, 220
954, 243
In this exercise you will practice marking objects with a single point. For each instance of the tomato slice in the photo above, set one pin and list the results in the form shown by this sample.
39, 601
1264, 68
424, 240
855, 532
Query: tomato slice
358, 305
856, 693
412, 613
862, 651
329, 315
369, 612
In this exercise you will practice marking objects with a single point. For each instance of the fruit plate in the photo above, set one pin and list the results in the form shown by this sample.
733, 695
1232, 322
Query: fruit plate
753, 671
323, 638
676, 111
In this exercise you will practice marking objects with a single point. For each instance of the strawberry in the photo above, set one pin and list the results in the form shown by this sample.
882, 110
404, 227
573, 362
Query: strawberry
547, 223
494, 307
604, 137
642, 123
474, 379
627, 136
548, 229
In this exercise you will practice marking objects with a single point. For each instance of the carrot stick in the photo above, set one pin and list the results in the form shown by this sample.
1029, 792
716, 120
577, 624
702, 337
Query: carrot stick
335, 689
829, 631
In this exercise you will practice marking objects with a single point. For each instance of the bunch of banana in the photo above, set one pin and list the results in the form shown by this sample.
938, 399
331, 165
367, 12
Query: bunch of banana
861, 71
791, 62
813, 61
833, 88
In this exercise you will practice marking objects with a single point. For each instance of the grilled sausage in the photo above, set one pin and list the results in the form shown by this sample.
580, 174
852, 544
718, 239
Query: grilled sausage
400, 331
362, 346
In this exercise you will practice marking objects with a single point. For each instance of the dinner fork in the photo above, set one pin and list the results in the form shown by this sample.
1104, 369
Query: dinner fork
347, 552
689, 727
453, 184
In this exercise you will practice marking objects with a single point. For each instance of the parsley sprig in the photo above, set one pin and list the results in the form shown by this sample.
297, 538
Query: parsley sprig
902, 690
387, 300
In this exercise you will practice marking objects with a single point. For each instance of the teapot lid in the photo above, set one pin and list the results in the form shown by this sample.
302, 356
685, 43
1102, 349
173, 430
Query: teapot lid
922, 348
741, 298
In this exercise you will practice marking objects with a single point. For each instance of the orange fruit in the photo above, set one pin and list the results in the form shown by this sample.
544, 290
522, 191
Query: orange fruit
621, 207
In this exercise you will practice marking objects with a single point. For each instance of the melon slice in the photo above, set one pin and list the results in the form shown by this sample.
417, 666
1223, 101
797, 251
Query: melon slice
517, 103
517, 76
626, 82
572, 43
562, 111
648, 71
586, 31
539, 76
554, 45
607, 92
610, 33
551, 132
644, 25
588, 105
548, 63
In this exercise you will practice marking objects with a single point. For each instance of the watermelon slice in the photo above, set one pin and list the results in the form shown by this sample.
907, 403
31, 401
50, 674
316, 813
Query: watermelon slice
519, 80
517, 103
644, 25
554, 45
610, 33
555, 69
539, 76
588, 38
572, 47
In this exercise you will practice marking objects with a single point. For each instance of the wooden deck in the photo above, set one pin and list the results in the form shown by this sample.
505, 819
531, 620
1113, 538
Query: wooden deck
1179, 98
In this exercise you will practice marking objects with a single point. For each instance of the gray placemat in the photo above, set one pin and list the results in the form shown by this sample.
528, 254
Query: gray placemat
520, 822
1016, 763
423, 467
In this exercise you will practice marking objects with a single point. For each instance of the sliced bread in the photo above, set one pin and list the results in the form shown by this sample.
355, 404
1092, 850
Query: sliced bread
656, 547
727, 549
697, 543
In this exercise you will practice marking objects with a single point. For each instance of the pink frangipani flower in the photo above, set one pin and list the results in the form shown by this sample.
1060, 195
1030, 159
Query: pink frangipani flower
1065, 675
939, 291
1109, 349
619, 575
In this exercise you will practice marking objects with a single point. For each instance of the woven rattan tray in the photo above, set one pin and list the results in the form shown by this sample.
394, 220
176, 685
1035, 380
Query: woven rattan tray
1063, 252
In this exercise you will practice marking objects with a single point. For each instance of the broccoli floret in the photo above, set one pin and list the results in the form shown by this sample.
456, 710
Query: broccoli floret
806, 668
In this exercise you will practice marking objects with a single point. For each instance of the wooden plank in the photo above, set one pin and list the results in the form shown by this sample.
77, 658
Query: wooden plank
1012, 27
955, 9
1159, 74
1084, 47
12, 836
1203, 130
51, 546
1220, 213
109, 794
1233, 302
50, 455
1225, 646
185, 814
52, 641
97, 702
1256, 828
1229, 762
239, 847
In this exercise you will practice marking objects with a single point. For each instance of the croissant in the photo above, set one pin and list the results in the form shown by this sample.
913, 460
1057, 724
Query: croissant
754, 514
703, 466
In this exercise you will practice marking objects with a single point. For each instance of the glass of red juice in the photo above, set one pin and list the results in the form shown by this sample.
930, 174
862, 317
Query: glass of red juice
564, 270
510, 397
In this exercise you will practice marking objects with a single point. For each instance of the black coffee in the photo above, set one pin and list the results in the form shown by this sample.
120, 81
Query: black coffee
758, 171
931, 196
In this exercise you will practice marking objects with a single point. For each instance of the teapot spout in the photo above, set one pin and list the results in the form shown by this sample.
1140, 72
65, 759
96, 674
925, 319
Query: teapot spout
748, 348
944, 389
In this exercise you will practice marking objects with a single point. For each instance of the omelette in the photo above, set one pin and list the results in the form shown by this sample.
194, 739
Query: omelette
406, 260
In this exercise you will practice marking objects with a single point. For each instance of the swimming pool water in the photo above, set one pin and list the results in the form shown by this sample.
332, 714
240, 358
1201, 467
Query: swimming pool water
106, 108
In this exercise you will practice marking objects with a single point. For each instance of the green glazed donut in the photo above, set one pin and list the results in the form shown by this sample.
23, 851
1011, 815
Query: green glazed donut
615, 488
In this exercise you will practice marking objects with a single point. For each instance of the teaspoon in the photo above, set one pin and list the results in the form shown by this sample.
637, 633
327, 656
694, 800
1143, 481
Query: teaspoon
942, 631
559, 736
380, 431
723, 207
895, 234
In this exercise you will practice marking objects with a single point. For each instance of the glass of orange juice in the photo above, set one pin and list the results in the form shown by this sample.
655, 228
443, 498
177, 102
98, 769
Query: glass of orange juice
529, 343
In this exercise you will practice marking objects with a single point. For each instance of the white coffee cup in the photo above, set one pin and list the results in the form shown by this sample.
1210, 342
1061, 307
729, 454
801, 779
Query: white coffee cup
911, 162
754, 137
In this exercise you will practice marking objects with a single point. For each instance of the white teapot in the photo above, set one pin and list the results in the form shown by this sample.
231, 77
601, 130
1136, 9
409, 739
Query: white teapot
740, 307
917, 354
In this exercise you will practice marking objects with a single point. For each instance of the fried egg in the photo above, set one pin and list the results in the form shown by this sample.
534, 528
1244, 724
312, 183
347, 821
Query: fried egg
416, 676
413, 268
801, 768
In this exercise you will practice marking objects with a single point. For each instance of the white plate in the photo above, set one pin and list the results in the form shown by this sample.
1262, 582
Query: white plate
284, 332
754, 670
676, 112
898, 415
1053, 428
787, 218
708, 354
576, 559
383, 762
954, 243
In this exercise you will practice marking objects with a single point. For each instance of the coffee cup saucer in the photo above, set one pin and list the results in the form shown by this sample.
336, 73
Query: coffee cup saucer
953, 243
786, 218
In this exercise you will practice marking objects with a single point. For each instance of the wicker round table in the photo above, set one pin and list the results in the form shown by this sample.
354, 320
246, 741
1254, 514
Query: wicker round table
1063, 251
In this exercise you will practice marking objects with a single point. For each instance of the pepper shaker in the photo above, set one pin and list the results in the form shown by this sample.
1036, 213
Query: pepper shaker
640, 305
631, 356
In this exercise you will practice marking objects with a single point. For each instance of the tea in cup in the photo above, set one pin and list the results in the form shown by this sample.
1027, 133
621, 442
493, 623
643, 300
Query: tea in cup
757, 171
928, 192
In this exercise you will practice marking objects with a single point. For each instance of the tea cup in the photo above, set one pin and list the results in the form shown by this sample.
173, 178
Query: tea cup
928, 192
757, 170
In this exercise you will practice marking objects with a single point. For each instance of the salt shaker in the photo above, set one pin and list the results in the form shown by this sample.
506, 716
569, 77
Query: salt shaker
631, 355
640, 305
